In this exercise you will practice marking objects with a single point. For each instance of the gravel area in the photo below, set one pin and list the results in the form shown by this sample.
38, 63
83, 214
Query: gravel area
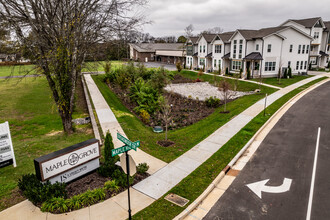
201, 91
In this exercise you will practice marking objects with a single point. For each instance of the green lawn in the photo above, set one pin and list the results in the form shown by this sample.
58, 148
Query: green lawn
283, 82
184, 138
195, 184
35, 128
30, 69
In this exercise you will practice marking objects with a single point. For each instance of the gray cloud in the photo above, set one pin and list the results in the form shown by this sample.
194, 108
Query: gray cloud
170, 17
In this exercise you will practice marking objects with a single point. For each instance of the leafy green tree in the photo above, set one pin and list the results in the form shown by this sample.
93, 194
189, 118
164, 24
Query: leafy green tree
182, 39
108, 147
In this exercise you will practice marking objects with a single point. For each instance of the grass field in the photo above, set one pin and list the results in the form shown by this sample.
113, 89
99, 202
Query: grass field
36, 129
31, 69
184, 138
194, 185
283, 82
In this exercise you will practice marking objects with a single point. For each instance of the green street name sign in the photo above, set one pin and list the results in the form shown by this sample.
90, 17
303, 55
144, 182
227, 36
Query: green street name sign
120, 150
129, 145
132, 145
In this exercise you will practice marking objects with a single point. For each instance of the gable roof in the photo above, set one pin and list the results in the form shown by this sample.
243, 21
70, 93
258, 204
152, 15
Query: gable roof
307, 22
152, 47
226, 36
209, 37
194, 39
253, 56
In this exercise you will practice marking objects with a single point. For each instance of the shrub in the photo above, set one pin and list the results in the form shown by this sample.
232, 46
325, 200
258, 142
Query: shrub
38, 192
121, 178
248, 74
109, 165
145, 117
285, 74
74, 202
159, 79
111, 185
107, 67
178, 66
142, 168
57, 205
240, 73
212, 102
227, 71
290, 72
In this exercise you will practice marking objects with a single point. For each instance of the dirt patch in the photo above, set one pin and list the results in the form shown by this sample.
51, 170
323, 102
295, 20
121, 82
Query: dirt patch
180, 79
164, 143
14, 198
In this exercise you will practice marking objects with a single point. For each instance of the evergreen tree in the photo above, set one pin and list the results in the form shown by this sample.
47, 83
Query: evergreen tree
290, 72
108, 147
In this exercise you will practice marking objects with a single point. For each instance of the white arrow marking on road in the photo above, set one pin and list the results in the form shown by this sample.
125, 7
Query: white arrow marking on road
260, 186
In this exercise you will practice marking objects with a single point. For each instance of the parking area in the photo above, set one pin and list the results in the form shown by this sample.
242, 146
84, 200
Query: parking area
170, 67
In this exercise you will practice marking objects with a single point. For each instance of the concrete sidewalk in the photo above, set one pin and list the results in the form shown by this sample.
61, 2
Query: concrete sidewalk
165, 176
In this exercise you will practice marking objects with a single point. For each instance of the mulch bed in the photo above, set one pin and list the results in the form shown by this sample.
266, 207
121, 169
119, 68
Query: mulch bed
164, 143
184, 111
93, 181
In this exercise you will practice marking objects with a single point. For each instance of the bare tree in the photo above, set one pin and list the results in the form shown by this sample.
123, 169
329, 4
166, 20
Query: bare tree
224, 88
188, 30
165, 112
64, 30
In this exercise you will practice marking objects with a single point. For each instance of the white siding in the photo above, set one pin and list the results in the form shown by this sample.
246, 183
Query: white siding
202, 42
273, 56
217, 56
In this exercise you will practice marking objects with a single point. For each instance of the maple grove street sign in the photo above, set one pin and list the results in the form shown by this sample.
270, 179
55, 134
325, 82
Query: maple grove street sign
129, 145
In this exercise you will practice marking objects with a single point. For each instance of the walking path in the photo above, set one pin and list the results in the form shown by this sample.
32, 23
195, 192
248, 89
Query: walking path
164, 176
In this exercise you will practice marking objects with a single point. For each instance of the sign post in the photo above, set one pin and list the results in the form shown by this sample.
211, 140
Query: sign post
7, 155
129, 145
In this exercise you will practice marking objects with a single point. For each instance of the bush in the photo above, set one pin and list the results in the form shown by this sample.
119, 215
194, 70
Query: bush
248, 74
159, 79
145, 117
178, 66
212, 102
290, 72
111, 185
227, 71
109, 165
75, 202
57, 205
37, 192
107, 67
142, 168
285, 75
121, 178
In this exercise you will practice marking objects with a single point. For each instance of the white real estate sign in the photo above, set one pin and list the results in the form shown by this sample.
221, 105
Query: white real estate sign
7, 155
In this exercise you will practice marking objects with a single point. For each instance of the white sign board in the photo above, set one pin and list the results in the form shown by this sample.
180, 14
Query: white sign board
76, 172
62, 161
7, 155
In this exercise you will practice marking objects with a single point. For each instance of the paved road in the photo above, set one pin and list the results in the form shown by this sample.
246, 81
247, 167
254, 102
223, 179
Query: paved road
287, 152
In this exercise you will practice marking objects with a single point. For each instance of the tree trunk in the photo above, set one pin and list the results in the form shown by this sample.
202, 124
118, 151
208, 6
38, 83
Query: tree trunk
67, 122
166, 132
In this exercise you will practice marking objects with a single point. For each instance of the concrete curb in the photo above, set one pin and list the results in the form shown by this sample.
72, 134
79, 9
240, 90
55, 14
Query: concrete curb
222, 174
90, 110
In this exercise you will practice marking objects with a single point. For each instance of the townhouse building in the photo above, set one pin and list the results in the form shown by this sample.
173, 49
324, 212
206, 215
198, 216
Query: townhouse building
192, 52
266, 51
315, 27
204, 48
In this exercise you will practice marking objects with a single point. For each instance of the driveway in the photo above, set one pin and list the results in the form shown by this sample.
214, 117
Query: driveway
170, 67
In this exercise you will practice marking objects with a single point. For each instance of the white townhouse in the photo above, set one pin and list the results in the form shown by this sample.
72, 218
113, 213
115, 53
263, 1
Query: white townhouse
265, 51
316, 28
204, 57
325, 46
220, 47
192, 52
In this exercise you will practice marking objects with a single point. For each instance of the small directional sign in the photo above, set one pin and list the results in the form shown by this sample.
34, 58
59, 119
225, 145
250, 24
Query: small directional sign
120, 150
132, 145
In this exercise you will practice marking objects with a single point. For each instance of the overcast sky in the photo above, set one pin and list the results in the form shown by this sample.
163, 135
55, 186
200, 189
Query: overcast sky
170, 17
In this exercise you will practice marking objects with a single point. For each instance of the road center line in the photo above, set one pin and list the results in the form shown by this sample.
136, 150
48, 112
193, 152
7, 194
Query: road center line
310, 201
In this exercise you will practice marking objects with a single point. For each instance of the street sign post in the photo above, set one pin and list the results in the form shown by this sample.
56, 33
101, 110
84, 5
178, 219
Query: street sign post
129, 145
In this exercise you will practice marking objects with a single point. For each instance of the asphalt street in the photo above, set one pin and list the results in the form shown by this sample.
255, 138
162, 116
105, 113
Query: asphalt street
286, 157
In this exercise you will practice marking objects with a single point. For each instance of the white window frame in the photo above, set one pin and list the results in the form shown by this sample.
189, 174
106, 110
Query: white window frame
289, 64
200, 61
307, 48
303, 49
257, 47
316, 35
299, 49
270, 66
215, 63
305, 67
297, 65
313, 60
217, 48
203, 48
301, 64
291, 48
236, 65
269, 48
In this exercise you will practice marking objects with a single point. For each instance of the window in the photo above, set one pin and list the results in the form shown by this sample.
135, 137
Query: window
301, 64
316, 35
204, 49
303, 49
240, 51
240, 41
234, 53
200, 48
236, 65
191, 60
289, 63
313, 60
270, 66
217, 49
269, 48
297, 66
201, 61
188, 61
307, 48
257, 47
291, 48
305, 67
219, 64
215, 63
299, 49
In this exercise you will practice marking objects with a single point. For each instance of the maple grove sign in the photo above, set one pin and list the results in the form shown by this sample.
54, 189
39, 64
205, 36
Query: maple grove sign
73, 161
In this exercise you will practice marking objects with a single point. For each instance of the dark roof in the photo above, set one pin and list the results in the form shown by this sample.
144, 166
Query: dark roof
226, 56
308, 22
327, 25
194, 40
209, 37
323, 54
195, 54
152, 47
253, 34
226, 36
253, 56
209, 55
